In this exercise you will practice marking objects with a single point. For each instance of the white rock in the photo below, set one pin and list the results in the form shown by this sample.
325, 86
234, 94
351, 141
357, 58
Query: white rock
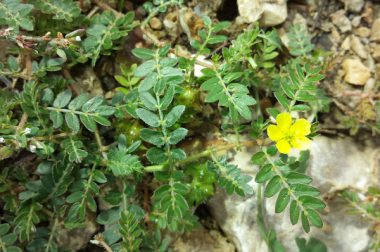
353, 5
358, 47
356, 21
355, 72
375, 31
340, 163
346, 45
363, 32
340, 20
268, 12
376, 52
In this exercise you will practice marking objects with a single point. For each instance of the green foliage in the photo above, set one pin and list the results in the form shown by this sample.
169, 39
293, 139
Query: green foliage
82, 194
267, 50
74, 148
127, 79
299, 41
313, 245
122, 163
131, 231
366, 206
88, 111
222, 88
209, 35
241, 49
27, 218
171, 205
7, 239
16, 15
291, 187
105, 30
60, 9
299, 85
230, 177
202, 182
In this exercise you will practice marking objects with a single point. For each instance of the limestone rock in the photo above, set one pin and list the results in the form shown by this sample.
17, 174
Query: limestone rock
268, 12
363, 32
353, 5
78, 238
334, 164
375, 31
237, 218
203, 240
356, 21
341, 21
358, 47
207, 7
355, 72
340, 163
376, 52
346, 45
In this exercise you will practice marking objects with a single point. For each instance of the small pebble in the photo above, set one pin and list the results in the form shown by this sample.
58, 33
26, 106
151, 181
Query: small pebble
340, 20
375, 31
155, 23
376, 52
363, 32
355, 72
358, 47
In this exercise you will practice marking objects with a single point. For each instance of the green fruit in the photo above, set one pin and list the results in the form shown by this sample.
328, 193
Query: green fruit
130, 128
189, 96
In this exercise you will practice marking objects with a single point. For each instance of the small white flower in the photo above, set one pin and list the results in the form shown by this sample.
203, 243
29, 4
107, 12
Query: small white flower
32, 148
78, 38
2, 140
27, 131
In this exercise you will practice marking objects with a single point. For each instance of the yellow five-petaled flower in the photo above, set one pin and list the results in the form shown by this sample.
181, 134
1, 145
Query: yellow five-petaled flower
288, 135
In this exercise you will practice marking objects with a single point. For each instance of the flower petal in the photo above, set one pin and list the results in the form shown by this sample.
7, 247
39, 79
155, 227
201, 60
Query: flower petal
275, 133
284, 120
300, 128
283, 146
301, 143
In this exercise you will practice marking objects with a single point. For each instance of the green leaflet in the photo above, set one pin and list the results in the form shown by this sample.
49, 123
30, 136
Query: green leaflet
89, 111
105, 30
231, 95
122, 164
82, 195
230, 177
169, 199
300, 86
131, 230
299, 41
7, 239
290, 187
74, 149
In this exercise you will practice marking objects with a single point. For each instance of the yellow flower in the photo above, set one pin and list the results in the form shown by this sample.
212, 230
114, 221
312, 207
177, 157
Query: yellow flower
288, 135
